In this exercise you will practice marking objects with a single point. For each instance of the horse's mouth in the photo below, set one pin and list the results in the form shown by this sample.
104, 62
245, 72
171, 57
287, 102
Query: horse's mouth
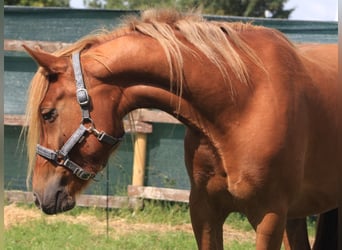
61, 202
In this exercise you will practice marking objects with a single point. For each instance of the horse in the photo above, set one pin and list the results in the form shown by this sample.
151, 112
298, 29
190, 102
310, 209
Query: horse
261, 115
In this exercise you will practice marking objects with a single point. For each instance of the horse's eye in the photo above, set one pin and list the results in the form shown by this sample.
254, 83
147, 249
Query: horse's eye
49, 114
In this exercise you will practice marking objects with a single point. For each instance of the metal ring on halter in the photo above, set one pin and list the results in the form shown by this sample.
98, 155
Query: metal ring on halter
88, 120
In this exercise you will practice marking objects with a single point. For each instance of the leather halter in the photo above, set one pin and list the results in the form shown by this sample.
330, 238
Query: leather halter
61, 157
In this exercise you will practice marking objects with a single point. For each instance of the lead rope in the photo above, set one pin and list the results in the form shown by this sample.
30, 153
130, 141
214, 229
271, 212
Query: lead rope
107, 202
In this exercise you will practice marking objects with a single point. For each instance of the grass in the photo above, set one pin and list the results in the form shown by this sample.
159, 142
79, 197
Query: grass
60, 235
43, 233
39, 235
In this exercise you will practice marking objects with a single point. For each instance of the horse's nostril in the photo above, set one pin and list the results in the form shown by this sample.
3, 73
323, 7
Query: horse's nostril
36, 200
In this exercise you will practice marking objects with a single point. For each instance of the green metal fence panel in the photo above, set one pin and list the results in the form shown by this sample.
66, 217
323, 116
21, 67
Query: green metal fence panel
57, 24
164, 163
68, 25
296, 31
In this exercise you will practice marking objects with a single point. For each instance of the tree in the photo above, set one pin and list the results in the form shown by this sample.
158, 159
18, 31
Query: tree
93, 3
129, 4
247, 8
38, 3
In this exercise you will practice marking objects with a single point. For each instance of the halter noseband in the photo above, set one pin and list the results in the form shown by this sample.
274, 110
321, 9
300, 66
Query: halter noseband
61, 157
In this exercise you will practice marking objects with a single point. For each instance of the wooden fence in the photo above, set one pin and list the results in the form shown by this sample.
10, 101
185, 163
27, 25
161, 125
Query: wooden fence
135, 195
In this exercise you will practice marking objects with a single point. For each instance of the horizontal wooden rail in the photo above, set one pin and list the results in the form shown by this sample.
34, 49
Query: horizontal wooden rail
152, 115
137, 127
135, 197
14, 120
14, 196
130, 126
103, 201
137, 118
17, 45
156, 193
84, 200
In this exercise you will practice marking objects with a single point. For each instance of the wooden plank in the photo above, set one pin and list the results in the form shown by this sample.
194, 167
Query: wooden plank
137, 123
19, 196
155, 193
137, 127
84, 200
130, 127
14, 120
135, 194
113, 201
152, 115
17, 45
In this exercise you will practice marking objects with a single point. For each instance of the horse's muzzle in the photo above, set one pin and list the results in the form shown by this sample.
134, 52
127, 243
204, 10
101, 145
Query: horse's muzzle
55, 202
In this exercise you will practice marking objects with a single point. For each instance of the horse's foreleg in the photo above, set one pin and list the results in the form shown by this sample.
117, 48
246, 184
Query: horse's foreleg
296, 235
269, 230
209, 198
207, 222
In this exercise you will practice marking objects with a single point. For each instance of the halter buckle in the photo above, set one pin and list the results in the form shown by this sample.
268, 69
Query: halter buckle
82, 96
80, 173
77, 170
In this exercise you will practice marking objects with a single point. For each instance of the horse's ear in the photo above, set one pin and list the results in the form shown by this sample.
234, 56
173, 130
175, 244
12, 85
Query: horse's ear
51, 63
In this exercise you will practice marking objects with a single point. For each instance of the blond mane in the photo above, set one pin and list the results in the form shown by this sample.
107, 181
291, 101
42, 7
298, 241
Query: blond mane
210, 38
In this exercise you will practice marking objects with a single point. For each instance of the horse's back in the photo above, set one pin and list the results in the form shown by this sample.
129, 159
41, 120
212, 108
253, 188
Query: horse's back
321, 88
317, 50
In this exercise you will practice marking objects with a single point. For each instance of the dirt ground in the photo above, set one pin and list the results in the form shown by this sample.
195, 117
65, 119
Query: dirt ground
14, 215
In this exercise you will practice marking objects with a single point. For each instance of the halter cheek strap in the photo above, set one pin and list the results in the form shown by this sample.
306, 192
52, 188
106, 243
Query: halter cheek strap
61, 157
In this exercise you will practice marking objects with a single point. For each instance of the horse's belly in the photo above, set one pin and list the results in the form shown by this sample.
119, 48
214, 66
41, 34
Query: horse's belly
314, 199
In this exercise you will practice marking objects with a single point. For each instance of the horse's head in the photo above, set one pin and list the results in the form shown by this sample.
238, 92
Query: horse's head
72, 129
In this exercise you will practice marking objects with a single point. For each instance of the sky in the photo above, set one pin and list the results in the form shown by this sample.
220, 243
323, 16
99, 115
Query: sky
322, 10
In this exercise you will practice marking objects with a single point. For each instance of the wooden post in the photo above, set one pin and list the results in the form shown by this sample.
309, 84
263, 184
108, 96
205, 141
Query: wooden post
139, 159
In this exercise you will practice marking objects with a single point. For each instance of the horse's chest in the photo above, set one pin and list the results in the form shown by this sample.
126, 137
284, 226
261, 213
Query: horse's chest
204, 165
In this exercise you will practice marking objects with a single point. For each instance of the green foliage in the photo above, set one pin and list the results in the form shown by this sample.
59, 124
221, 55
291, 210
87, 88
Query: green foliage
140, 4
93, 3
38, 3
247, 8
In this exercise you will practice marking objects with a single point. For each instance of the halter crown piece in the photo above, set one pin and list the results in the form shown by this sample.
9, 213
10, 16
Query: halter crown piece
61, 157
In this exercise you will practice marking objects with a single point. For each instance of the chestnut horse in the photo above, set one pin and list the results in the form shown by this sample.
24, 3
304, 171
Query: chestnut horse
261, 115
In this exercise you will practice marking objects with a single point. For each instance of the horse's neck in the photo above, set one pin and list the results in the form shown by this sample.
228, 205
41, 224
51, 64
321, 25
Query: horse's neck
127, 59
138, 65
